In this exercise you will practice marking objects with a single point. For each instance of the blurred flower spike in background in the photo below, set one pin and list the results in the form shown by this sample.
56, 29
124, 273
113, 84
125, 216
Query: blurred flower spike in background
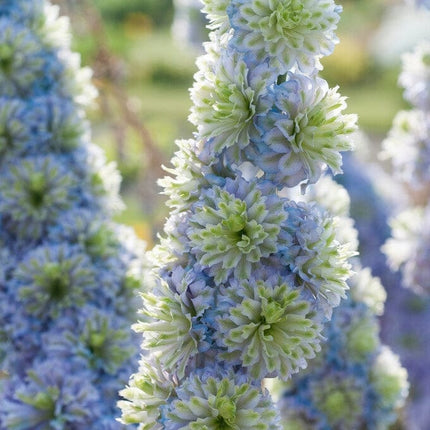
69, 274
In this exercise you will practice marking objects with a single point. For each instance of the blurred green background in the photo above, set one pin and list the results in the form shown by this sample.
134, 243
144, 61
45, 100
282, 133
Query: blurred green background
141, 68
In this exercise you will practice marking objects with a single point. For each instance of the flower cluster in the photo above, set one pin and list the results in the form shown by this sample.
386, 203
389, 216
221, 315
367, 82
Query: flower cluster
355, 382
408, 148
68, 273
244, 278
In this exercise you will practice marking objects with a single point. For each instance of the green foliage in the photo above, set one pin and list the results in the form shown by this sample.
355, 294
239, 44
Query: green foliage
161, 11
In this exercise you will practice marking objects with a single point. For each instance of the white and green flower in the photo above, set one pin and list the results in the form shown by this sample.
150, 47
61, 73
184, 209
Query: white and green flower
288, 32
227, 98
267, 328
234, 227
211, 402
148, 390
183, 187
171, 327
216, 13
415, 76
362, 337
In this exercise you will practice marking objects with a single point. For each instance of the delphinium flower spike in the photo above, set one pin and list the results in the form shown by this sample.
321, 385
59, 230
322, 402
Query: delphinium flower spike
244, 279
69, 274
407, 146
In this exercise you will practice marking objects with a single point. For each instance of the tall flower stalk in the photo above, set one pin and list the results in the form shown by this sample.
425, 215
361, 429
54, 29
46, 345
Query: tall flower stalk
407, 147
68, 273
244, 279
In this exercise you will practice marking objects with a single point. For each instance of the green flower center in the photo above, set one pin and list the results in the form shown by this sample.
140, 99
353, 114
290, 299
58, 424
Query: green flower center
405, 126
286, 16
362, 339
341, 405
57, 282
236, 223
44, 401
57, 288
250, 237
36, 190
336, 405
235, 104
6, 58
271, 311
226, 413
97, 243
245, 234
96, 342
6, 139
426, 60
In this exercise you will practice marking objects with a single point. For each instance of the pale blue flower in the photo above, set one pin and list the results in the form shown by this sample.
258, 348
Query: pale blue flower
53, 278
66, 126
420, 3
98, 341
315, 255
25, 67
16, 122
34, 191
95, 235
50, 397
304, 132
342, 387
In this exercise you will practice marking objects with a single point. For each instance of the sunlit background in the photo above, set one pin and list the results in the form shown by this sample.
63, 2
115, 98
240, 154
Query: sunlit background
144, 66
